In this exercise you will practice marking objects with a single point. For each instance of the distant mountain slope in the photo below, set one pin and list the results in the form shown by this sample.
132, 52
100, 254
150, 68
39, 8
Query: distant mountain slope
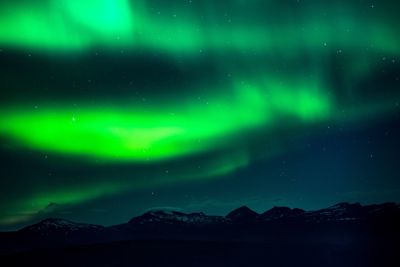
53, 225
161, 216
277, 213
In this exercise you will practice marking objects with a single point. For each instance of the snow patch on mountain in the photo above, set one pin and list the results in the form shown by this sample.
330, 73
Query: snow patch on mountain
55, 224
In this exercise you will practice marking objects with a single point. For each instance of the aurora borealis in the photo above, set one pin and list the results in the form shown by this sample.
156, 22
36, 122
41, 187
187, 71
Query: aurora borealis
119, 106
162, 134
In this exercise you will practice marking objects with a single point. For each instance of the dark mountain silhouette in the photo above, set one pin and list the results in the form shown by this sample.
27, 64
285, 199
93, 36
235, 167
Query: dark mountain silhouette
242, 215
325, 236
281, 213
175, 217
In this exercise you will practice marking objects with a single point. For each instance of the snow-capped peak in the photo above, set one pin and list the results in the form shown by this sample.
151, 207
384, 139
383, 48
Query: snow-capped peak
56, 224
281, 213
169, 216
339, 212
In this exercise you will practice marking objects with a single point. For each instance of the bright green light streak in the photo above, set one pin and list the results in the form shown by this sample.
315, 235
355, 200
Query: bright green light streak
138, 135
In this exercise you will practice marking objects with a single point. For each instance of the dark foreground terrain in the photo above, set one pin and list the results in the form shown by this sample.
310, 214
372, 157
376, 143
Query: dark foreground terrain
208, 253
341, 235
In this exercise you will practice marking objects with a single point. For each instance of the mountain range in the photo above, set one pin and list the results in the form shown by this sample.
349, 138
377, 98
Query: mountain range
342, 226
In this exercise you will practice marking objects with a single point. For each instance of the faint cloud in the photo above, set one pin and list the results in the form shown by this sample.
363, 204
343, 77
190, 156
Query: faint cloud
167, 208
55, 208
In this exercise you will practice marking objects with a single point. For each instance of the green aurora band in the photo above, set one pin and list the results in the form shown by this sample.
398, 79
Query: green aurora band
252, 104
151, 135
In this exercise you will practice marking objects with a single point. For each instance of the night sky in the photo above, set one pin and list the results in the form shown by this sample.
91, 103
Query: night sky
110, 108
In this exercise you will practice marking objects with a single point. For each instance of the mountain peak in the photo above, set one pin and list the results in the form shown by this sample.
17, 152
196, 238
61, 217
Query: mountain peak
57, 224
345, 205
243, 213
171, 217
162, 213
338, 212
281, 212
